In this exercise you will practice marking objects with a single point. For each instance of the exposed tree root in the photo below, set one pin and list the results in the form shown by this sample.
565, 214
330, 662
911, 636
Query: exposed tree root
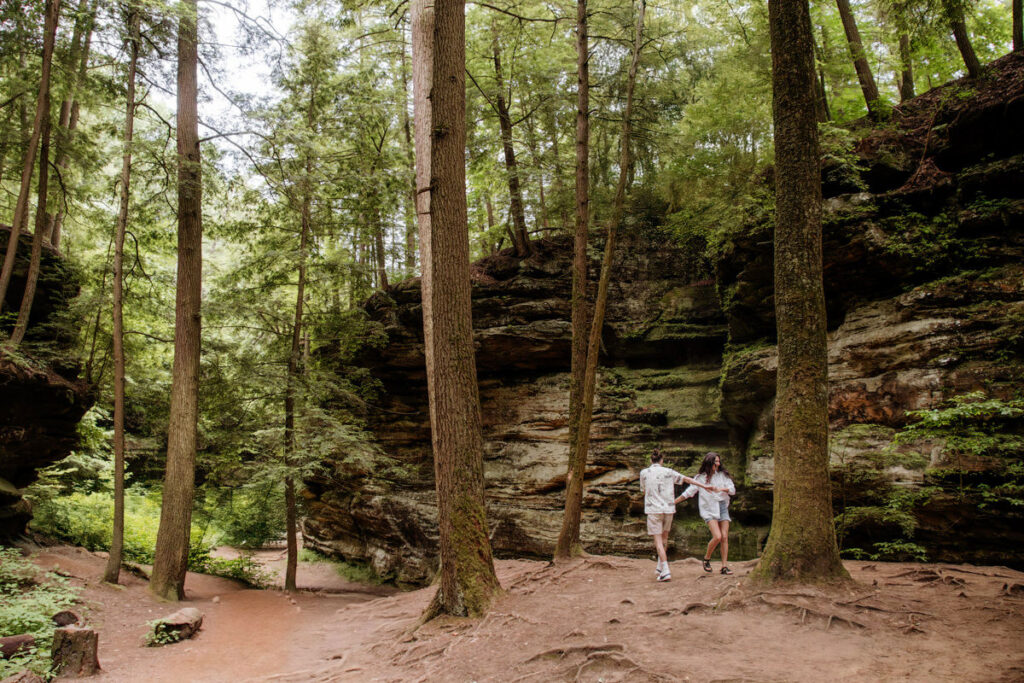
1012, 589
562, 652
689, 607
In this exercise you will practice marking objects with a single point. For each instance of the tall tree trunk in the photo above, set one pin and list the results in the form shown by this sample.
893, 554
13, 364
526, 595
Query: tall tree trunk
410, 210
78, 62
171, 558
906, 69
113, 570
35, 258
1018, 26
42, 114
559, 182
520, 237
820, 94
955, 16
531, 141
379, 249
289, 397
802, 542
568, 544
467, 582
860, 60
581, 447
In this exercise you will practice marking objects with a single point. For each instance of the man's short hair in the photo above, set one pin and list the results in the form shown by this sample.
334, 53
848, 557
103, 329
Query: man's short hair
657, 456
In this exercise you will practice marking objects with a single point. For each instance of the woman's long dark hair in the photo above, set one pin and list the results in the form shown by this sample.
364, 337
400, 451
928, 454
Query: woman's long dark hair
709, 464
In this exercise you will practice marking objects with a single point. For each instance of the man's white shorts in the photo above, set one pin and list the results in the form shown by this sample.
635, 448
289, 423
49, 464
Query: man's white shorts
659, 522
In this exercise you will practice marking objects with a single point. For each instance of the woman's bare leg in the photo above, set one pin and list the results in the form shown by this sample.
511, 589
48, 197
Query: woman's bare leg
724, 528
716, 538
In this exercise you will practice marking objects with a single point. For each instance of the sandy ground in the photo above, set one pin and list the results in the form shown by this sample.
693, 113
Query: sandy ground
595, 619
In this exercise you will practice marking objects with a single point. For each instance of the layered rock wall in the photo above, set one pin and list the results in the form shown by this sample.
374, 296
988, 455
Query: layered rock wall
41, 396
923, 239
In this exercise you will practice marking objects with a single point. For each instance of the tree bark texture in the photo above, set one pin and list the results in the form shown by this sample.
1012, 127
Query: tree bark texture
582, 445
291, 525
467, 581
860, 60
1018, 26
568, 544
35, 258
802, 543
42, 113
520, 238
906, 69
113, 569
410, 214
171, 559
74, 652
78, 60
955, 16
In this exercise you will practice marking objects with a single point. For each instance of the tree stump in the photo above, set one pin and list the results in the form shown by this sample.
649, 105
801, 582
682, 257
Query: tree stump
12, 645
74, 652
181, 625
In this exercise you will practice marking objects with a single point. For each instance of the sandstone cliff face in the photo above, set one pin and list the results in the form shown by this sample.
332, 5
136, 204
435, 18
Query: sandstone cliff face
41, 401
659, 385
924, 236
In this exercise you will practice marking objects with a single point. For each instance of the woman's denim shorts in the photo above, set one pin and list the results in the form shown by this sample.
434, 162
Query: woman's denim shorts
723, 513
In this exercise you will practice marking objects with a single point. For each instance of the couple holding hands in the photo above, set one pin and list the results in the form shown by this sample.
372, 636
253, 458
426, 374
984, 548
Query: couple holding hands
712, 483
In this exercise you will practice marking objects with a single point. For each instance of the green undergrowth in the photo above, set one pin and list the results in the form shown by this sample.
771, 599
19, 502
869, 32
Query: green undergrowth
29, 597
84, 519
356, 572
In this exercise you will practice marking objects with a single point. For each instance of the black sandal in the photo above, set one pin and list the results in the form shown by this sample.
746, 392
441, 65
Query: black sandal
707, 565
725, 570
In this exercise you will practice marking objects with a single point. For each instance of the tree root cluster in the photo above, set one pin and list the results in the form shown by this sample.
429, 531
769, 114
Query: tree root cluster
602, 662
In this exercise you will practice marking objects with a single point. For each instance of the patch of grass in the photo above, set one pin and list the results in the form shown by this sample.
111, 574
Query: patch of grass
356, 572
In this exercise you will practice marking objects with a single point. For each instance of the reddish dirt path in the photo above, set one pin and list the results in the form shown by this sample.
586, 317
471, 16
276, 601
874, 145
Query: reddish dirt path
246, 635
598, 619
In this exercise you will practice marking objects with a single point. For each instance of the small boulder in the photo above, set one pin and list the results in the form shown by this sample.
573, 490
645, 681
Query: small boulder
67, 618
181, 625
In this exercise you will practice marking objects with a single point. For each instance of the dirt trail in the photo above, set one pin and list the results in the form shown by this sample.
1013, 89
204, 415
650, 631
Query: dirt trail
597, 619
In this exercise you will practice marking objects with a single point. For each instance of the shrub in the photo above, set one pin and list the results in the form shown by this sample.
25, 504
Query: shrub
28, 600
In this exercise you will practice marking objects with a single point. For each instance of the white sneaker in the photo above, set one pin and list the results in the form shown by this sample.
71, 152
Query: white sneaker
659, 568
665, 576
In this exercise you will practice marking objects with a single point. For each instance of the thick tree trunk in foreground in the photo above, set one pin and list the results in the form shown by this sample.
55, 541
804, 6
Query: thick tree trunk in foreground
520, 238
568, 544
113, 568
802, 543
171, 559
42, 115
860, 60
582, 437
467, 582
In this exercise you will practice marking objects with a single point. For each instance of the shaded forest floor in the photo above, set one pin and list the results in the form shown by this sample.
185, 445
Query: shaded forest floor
596, 619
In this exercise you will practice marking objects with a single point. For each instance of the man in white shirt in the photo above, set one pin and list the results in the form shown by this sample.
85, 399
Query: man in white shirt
658, 485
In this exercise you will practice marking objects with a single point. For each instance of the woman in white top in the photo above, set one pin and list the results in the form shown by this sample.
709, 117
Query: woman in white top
714, 505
